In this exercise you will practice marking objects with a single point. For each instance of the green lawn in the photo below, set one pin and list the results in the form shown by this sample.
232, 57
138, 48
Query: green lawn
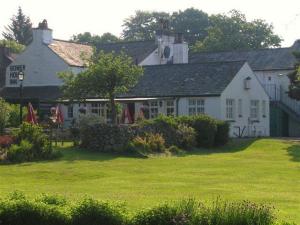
264, 170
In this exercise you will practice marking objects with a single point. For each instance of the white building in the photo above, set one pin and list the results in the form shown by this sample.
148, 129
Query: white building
236, 87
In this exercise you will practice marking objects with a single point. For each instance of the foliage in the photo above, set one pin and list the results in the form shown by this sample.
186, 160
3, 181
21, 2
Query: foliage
106, 137
142, 25
222, 135
205, 127
31, 144
186, 136
294, 88
55, 200
192, 23
147, 144
93, 212
4, 115
12, 45
20, 29
233, 32
107, 76
95, 40
14, 115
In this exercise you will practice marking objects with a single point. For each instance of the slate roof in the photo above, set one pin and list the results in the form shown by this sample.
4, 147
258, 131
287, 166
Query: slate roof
263, 59
204, 79
138, 50
72, 53
35, 92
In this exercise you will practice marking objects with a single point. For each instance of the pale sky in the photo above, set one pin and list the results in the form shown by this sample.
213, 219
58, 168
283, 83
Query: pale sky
68, 17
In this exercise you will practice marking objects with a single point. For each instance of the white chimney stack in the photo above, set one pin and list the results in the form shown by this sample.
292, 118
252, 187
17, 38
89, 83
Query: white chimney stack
42, 34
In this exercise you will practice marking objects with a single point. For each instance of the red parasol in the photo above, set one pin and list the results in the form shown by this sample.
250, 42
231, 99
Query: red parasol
31, 117
59, 115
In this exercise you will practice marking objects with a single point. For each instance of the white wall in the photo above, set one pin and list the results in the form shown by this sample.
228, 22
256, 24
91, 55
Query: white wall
41, 66
235, 90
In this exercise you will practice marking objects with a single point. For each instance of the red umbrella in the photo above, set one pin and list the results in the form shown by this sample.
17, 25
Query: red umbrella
59, 115
31, 117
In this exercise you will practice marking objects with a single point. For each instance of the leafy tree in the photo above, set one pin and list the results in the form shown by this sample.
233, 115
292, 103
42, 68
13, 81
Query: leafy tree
12, 45
87, 37
235, 32
192, 23
142, 25
4, 115
20, 29
294, 88
107, 76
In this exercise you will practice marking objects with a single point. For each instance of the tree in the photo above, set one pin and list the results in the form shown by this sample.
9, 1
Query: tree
12, 45
87, 37
294, 88
234, 32
142, 25
107, 76
192, 23
20, 29
4, 115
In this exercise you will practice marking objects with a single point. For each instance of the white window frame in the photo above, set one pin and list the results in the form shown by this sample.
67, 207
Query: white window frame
254, 109
153, 109
240, 107
170, 107
230, 109
196, 106
99, 109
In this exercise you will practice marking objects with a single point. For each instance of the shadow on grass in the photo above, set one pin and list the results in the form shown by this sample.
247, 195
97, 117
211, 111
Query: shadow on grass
235, 145
294, 152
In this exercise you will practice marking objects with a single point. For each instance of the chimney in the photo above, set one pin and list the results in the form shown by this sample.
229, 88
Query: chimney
180, 50
179, 38
42, 34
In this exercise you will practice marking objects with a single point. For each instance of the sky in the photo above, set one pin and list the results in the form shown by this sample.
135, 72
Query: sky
68, 17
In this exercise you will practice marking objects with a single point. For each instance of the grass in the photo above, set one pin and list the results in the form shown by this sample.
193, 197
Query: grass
265, 170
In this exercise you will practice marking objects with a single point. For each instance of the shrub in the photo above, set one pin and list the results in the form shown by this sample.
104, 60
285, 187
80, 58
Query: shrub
186, 136
166, 214
222, 135
24, 212
52, 200
14, 115
205, 127
91, 212
21, 152
31, 144
4, 115
149, 143
175, 150
164, 125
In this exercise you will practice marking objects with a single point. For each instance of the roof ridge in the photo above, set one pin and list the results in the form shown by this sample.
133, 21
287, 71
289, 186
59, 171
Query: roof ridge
198, 63
241, 50
125, 42
73, 42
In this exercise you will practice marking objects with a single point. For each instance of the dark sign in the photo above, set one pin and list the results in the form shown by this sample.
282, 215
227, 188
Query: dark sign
14, 73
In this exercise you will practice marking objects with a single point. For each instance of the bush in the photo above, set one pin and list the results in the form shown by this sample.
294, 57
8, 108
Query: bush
14, 115
186, 136
20, 153
52, 200
31, 144
4, 115
205, 127
91, 212
149, 143
166, 214
222, 135
106, 137
24, 212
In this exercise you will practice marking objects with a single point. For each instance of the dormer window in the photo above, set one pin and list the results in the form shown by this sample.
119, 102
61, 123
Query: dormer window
247, 83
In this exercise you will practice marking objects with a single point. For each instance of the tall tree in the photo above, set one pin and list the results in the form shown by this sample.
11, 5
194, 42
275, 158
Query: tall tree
87, 37
12, 45
20, 28
234, 32
142, 25
294, 88
107, 76
192, 23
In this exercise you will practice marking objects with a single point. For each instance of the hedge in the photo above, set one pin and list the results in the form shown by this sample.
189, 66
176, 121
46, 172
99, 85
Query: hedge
21, 211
